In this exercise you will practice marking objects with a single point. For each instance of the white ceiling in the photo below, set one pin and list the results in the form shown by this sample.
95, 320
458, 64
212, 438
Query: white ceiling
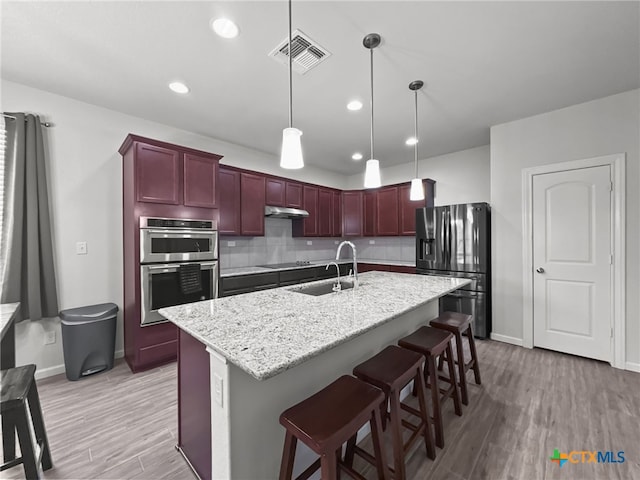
483, 63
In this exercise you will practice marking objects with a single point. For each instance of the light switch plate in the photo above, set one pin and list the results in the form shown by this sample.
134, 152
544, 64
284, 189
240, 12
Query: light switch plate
81, 248
309, 242
372, 242
217, 388
231, 243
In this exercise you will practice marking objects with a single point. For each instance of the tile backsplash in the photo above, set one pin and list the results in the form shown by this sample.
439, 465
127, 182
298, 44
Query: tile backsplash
278, 246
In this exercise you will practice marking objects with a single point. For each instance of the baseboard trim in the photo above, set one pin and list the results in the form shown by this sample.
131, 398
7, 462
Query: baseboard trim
633, 367
59, 369
506, 339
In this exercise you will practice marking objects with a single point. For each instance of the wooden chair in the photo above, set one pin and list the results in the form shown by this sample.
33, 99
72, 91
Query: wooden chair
328, 419
19, 391
434, 344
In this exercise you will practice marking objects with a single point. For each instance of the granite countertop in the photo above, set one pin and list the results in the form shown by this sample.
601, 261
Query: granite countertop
7, 314
265, 333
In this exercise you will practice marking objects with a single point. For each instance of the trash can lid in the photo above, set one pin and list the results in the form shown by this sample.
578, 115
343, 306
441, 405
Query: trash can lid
88, 314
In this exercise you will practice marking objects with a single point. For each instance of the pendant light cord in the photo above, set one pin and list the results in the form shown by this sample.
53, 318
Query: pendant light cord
415, 93
372, 157
290, 75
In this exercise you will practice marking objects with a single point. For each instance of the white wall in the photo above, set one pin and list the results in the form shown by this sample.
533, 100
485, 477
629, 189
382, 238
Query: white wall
86, 200
461, 177
606, 126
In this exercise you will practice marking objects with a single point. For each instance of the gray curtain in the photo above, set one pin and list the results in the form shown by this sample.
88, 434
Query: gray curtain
26, 252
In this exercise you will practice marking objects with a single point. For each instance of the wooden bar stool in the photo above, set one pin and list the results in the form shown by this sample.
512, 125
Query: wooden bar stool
433, 344
459, 324
391, 370
18, 391
326, 420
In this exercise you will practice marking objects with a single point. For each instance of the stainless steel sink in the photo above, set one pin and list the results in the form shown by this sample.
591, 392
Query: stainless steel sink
322, 289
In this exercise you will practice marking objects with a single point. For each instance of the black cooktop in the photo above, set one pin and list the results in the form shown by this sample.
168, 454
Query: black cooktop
286, 265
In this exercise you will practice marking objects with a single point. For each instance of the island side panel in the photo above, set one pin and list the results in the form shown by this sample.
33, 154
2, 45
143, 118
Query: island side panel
194, 413
256, 437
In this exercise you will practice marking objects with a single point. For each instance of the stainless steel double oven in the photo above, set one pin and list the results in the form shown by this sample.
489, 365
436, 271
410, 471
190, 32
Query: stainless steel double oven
172, 250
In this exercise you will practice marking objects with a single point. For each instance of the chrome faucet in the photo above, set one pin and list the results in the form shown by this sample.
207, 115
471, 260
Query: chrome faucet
355, 261
338, 286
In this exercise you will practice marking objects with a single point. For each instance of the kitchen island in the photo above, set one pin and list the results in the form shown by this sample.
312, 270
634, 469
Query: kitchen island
271, 349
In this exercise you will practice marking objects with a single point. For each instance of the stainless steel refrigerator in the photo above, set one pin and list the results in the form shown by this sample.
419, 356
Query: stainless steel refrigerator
455, 240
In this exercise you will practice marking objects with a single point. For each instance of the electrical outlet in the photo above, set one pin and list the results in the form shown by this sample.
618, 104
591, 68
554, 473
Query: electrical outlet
231, 243
81, 248
49, 338
336, 242
217, 388
372, 242
309, 242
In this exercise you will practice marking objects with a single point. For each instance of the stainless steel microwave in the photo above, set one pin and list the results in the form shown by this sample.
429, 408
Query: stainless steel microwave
177, 240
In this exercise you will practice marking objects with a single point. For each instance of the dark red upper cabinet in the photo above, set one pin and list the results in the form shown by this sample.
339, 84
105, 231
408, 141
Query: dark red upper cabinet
408, 209
336, 214
369, 213
275, 192
229, 202
252, 198
199, 181
310, 204
293, 195
352, 213
157, 174
325, 212
387, 209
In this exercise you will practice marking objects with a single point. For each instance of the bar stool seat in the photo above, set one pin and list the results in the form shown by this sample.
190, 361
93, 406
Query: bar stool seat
460, 324
391, 370
19, 391
328, 419
435, 344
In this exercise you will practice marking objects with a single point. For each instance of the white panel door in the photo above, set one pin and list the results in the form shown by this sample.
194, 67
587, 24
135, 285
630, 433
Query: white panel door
572, 262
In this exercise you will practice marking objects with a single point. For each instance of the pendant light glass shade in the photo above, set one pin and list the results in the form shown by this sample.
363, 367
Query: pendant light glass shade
291, 156
417, 192
372, 174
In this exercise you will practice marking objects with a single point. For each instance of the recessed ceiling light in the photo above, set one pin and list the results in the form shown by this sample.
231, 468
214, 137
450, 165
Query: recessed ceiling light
354, 105
225, 28
411, 141
357, 156
179, 87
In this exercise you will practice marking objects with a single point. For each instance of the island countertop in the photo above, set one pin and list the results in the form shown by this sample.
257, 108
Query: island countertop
267, 332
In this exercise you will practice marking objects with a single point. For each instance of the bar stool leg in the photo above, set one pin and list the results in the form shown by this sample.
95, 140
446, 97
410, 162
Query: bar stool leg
396, 432
428, 437
435, 399
38, 425
288, 456
461, 370
328, 466
378, 448
452, 377
349, 452
26, 447
474, 355
8, 438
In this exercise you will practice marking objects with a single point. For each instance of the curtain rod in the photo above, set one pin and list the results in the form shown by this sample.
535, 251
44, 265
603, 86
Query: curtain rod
44, 124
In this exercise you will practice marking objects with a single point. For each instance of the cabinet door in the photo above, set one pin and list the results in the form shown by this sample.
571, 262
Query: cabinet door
293, 195
408, 209
336, 214
157, 174
310, 204
229, 202
275, 192
387, 223
252, 197
199, 181
325, 212
369, 213
352, 214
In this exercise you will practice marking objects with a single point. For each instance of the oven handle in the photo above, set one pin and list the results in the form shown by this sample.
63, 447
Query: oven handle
178, 232
173, 266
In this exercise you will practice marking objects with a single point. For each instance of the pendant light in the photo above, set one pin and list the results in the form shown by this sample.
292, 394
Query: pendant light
372, 169
291, 154
417, 190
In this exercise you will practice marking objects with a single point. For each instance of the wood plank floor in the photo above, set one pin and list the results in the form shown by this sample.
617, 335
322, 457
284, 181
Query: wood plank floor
117, 425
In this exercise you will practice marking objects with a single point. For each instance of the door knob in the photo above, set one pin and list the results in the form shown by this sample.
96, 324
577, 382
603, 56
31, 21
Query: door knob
540, 270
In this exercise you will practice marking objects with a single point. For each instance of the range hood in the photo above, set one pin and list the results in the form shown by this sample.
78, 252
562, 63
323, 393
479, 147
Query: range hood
284, 212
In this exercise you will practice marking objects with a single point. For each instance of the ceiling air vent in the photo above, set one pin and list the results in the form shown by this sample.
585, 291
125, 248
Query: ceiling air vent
306, 53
